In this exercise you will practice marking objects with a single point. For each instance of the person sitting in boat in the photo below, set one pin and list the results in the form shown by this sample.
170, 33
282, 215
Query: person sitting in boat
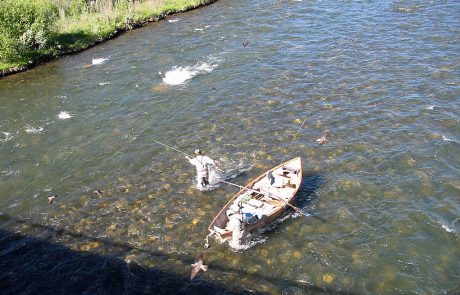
268, 182
277, 182
202, 164
236, 225
243, 209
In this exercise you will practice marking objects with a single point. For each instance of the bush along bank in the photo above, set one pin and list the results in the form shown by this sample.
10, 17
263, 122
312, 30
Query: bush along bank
34, 31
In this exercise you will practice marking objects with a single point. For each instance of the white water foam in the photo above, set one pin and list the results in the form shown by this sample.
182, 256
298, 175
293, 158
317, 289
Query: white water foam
241, 247
7, 137
446, 228
99, 60
64, 115
217, 175
179, 75
173, 20
256, 238
233, 173
10, 172
103, 83
445, 138
430, 107
34, 130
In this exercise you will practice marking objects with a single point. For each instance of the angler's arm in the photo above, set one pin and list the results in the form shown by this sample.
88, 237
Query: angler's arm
191, 160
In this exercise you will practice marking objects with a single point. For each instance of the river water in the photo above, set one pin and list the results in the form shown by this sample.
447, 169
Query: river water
237, 79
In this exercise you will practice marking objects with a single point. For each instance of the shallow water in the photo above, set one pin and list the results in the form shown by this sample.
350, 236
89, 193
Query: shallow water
384, 190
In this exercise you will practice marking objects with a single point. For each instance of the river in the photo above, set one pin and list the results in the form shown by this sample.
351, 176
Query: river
237, 79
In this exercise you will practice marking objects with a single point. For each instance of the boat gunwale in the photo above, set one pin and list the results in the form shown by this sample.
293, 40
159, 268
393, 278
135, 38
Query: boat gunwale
249, 186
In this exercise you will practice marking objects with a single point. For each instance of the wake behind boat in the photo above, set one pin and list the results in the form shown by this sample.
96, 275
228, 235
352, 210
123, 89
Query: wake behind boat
260, 202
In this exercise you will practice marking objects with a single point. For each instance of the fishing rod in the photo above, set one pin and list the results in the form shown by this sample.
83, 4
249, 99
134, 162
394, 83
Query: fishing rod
276, 197
170, 147
295, 136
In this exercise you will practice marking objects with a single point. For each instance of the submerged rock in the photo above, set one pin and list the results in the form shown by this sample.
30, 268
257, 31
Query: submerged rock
328, 278
90, 246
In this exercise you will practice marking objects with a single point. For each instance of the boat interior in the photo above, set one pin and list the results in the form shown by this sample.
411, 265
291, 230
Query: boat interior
263, 198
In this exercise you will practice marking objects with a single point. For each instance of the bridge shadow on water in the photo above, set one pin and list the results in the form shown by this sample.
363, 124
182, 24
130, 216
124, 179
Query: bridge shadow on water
35, 264
31, 265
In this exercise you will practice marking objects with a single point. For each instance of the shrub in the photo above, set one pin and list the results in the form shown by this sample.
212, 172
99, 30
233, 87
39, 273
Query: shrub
25, 25
69, 8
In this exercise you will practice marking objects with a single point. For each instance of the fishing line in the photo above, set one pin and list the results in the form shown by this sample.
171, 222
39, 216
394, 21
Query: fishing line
295, 136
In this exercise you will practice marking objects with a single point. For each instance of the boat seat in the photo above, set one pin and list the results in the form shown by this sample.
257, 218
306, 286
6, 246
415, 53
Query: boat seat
285, 175
295, 171
273, 202
255, 203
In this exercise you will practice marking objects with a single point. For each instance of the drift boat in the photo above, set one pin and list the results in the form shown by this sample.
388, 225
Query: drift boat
261, 201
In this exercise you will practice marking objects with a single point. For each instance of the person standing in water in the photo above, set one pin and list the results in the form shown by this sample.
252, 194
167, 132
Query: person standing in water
202, 164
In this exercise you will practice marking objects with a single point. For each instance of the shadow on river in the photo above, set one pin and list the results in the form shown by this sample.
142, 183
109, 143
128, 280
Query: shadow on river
34, 264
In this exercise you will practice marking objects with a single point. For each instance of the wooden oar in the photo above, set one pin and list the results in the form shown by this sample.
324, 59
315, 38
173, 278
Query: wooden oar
242, 187
217, 168
270, 194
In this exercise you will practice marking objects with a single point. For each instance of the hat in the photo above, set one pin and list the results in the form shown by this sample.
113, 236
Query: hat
197, 152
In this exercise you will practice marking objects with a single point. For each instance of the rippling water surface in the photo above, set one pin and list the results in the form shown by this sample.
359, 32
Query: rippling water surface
384, 191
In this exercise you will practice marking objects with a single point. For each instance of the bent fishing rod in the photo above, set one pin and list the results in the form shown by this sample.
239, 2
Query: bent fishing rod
170, 147
174, 149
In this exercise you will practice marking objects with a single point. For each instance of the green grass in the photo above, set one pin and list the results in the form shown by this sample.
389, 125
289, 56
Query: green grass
81, 26
11, 65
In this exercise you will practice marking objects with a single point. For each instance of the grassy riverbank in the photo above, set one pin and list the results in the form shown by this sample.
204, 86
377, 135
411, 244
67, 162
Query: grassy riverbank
33, 31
